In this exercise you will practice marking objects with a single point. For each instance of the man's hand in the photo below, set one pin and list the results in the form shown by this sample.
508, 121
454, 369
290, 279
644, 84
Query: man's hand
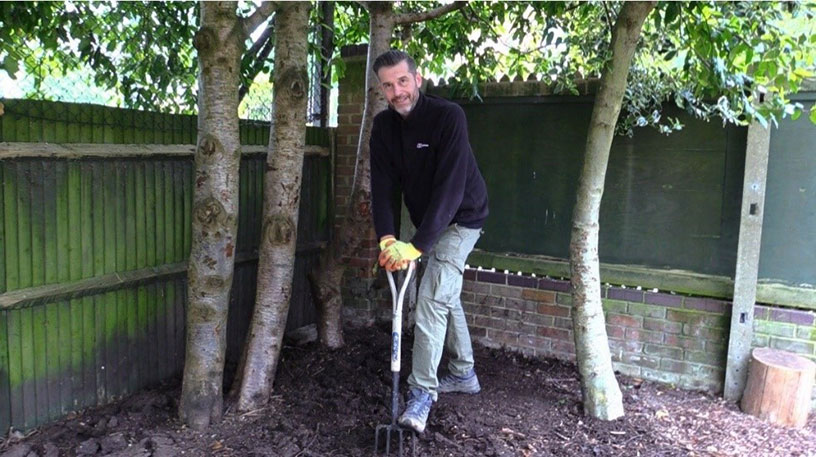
396, 255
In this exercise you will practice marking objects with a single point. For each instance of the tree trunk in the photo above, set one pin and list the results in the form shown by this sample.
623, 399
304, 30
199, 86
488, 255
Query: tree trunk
282, 182
215, 214
326, 279
601, 393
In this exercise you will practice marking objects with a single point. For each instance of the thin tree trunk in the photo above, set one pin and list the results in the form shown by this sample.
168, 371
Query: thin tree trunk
326, 51
215, 214
601, 393
326, 279
282, 183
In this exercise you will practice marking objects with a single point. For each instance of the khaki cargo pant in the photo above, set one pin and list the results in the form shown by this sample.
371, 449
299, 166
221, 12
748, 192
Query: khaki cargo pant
439, 311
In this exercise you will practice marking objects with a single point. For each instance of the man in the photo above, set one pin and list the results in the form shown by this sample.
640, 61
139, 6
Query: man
420, 145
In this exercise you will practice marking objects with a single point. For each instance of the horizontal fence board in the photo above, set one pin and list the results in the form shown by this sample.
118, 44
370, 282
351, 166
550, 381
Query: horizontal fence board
96, 205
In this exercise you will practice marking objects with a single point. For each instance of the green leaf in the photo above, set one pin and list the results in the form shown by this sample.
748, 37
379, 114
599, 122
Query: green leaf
11, 66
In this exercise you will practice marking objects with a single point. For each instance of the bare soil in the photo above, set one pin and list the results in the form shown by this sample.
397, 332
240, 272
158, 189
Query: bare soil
327, 403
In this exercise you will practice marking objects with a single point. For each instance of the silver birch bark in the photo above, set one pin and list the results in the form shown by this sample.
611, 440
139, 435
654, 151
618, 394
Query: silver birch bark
601, 394
220, 43
282, 183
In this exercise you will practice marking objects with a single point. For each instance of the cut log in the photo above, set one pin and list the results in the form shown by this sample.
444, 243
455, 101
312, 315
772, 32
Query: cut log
779, 387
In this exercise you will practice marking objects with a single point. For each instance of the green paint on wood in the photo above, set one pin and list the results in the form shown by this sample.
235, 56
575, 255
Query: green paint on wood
64, 328
99, 218
12, 278
15, 355
38, 223
188, 208
44, 322
5, 375
130, 216
50, 209
74, 221
139, 216
63, 261
150, 214
2, 233
23, 217
86, 220
169, 190
109, 230
89, 350
178, 210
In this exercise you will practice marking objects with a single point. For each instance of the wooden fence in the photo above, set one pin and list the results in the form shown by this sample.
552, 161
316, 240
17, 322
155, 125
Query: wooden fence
94, 239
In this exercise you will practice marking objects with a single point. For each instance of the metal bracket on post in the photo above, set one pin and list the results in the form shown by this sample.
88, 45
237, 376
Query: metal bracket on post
745, 278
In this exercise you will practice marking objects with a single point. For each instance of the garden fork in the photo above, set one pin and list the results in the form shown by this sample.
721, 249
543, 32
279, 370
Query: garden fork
396, 335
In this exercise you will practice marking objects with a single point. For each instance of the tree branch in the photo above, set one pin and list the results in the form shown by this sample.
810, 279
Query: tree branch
261, 41
258, 17
410, 18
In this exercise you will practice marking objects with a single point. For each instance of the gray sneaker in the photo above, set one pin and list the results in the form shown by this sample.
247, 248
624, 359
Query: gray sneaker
467, 384
416, 412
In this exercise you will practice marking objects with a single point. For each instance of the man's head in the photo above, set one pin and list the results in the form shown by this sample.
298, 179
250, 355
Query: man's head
399, 80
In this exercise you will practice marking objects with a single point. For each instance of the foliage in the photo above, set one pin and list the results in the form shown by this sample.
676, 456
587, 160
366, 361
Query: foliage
142, 50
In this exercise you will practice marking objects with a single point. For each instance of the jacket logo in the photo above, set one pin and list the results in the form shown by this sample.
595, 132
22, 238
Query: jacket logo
422, 145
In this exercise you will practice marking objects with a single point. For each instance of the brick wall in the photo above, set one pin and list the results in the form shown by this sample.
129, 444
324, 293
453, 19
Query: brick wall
659, 336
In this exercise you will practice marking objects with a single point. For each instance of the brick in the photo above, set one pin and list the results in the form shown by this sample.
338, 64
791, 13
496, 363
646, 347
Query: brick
476, 332
805, 333
694, 344
532, 341
554, 284
774, 328
614, 331
791, 316
627, 370
706, 304
563, 298
538, 319
469, 275
515, 303
707, 358
713, 347
795, 346
553, 310
555, 333
662, 325
675, 366
522, 281
505, 314
624, 320
562, 322
625, 346
613, 306
759, 341
476, 287
643, 361
644, 335
708, 333
468, 297
696, 318
481, 321
491, 277
663, 351
663, 299
563, 347
761, 312
660, 376
640, 309
630, 295
545, 296
506, 291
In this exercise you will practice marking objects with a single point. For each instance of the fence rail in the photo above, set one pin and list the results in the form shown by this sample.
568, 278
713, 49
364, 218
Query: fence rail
95, 209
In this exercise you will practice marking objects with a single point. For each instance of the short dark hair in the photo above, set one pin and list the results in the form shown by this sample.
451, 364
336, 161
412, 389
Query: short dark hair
393, 57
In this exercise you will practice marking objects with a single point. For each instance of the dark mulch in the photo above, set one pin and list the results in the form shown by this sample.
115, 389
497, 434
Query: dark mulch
327, 403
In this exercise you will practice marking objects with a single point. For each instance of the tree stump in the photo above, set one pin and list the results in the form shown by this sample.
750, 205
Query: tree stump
779, 387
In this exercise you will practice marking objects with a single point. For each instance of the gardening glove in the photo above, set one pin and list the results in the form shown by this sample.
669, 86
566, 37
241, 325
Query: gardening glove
398, 255
386, 241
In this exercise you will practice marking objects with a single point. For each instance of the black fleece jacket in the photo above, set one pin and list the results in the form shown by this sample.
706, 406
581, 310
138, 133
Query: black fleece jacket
428, 156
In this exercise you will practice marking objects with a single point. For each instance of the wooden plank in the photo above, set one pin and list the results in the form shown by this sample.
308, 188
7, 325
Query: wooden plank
2, 229
89, 361
27, 368
49, 210
38, 221
161, 252
153, 350
9, 183
161, 330
142, 342
74, 224
23, 218
44, 352
745, 278
75, 150
188, 209
87, 218
61, 185
131, 339
179, 321
139, 214
112, 355
63, 373
150, 213
98, 191
74, 132
100, 348
76, 360
169, 220
5, 375
170, 327
178, 211
243, 205
15, 361
260, 169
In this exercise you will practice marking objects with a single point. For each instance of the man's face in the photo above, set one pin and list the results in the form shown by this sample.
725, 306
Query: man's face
400, 87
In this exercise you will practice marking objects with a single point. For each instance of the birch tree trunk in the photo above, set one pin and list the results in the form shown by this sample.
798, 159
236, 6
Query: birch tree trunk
282, 183
326, 279
601, 394
215, 214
